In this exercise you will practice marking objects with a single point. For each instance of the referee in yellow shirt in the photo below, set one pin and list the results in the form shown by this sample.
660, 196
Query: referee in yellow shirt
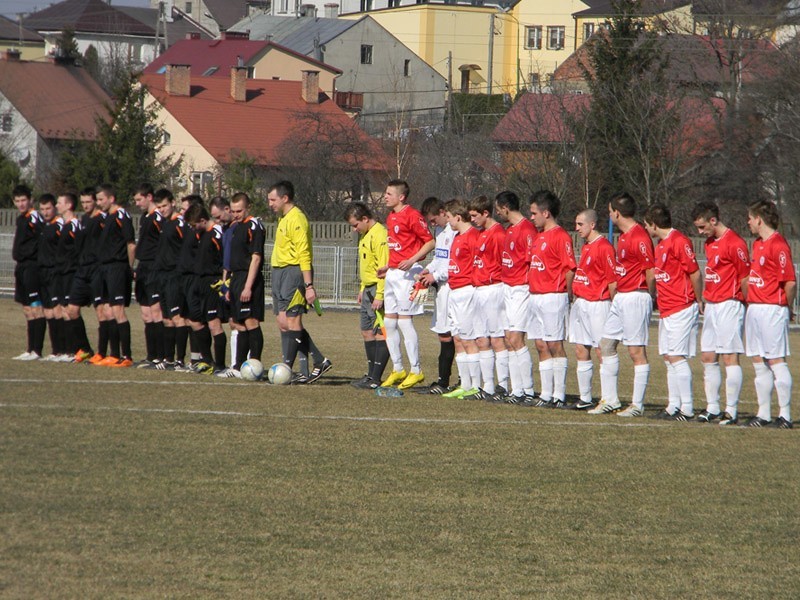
292, 275
373, 253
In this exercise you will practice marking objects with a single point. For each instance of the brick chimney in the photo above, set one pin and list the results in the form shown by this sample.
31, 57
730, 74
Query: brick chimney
238, 83
310, 87
12, 54
177, 80
235, 35
192, 35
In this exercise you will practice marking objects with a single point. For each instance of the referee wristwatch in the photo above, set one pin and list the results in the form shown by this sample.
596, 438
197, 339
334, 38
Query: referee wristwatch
309, 284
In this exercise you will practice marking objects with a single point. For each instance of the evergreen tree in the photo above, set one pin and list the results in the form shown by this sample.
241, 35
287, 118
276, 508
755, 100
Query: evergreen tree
67, 46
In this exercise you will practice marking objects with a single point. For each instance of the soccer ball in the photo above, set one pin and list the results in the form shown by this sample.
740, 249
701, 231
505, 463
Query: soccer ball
279, 374
252, 370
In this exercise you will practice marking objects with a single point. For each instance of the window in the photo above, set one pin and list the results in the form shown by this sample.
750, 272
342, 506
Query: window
6, 123
200, 181
366, 54
394, 3
166, 139
284, 7
188, 7
533, 82
555, 38
351, 101
533, 37
366, 5
406, 67
588, 31
210, 71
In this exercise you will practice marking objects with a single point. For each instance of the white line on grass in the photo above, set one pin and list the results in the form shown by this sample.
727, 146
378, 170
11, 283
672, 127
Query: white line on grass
229, 413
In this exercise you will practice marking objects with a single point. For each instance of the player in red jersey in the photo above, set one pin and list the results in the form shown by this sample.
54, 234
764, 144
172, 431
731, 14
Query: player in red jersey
631, 307
515, 261
462, 315
725, 276
771, 292
591, 288
550, 277
489, 297
409, 242
680, 304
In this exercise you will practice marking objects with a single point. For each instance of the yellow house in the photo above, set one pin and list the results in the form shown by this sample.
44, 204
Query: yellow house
13, 37
668, 16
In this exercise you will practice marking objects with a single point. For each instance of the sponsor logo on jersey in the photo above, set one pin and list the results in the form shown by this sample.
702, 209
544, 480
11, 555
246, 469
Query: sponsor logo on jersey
741, 254
478, 262
688, 249
394, 245
453, 269
782, 260
755, 279
442, 253
507, 260
620, 270
581, 277
712, 276
536, 263
642, 248
662, 276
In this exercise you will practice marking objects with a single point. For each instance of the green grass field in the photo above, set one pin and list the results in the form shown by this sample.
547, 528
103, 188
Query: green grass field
126, 483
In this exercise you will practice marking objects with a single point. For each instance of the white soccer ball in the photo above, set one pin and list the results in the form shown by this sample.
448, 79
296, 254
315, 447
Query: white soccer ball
252, 369
279, 374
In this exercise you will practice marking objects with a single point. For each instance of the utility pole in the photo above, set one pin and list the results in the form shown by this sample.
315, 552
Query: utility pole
491, 54
449, 90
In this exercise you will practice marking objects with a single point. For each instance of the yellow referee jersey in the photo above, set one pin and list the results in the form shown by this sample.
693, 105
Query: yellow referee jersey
373, 253
293, 241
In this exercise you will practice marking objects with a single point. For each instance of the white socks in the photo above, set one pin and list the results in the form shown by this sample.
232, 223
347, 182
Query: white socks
733, 387
462, 366
546, 375
783, 385
474, 368
486, 358
393, 343
585, 371
764, 383
683, 377
641, 375
501, 364
674, 401
525, 369
560, 378
712, 381
411, 341
609, 372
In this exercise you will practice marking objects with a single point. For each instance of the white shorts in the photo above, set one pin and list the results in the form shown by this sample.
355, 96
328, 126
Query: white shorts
548, 317
767, 330
461, 312
722, 327
399, 285
439, 322
629, 318
587, 320
490, 305
677, 333
516, 300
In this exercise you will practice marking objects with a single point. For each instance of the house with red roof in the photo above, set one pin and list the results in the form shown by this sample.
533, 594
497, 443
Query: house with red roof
210, 121
42, 105
264, 59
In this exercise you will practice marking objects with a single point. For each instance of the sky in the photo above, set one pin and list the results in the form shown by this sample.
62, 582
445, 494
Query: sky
10, 8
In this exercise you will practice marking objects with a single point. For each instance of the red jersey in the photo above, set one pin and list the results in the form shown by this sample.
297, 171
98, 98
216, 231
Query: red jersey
552, 258
771, 267
727, 263
461, 268
517, 253
634, 257
675, 261
595, 271
488, 268
407, 233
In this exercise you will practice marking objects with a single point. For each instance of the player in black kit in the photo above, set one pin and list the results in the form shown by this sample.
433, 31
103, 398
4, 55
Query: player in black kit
66, 266
26, 271
49, 279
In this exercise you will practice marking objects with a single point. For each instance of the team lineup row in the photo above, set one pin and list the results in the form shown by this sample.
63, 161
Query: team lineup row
497, 284
500, 282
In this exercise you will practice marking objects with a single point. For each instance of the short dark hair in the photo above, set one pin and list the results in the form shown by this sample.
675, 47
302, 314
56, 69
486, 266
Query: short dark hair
163, 194
283, 188
546, 200
195, 213
21, 190
402, 185
507, 199
767, 211
47, 199
71, 199
193, 199
145, 189
89, 191
219, 202
241, 197
480, 204
431, 206
705, 210
107, 189
658, 214
457, 207
624, 204
357, 211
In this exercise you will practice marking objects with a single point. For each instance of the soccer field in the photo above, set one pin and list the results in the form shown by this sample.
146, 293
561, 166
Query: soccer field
130, 483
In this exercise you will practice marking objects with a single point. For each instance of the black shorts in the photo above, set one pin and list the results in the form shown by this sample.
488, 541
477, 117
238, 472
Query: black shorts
209, 299
191, 298
49, 286
26, 284
286, 283
247, 310
65, 284
117, 283
170, 293
146, 288
86, 287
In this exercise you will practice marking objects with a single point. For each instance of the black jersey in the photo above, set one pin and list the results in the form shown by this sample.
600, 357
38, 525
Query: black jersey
169, 244
209, 253
89, 237
188, 251
248, 239
48, 243
26, 238
68, 249
117, 234
150, 225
